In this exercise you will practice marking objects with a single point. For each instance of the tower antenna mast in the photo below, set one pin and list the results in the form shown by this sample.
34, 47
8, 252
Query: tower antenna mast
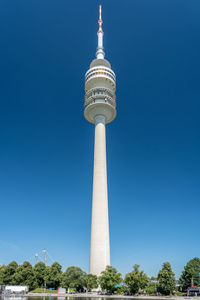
45, 256
100, 50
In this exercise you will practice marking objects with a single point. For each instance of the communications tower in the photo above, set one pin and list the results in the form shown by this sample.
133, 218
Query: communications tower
100, 109
36, 258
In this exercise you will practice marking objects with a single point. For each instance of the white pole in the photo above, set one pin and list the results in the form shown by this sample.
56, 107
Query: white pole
45, 256
36, 257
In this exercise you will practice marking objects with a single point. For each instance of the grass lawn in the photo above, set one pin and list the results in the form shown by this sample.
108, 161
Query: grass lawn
42, 290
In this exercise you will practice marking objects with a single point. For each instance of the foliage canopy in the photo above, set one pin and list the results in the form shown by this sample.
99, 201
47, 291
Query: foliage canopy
109, 279
91, 281
166, 280
191, 272
75, 278
40, 276
136, 280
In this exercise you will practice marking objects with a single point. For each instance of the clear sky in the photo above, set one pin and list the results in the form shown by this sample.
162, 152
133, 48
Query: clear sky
153, 146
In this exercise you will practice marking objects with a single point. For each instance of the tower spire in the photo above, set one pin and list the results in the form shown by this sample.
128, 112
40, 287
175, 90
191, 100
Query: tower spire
100, 51
100, 20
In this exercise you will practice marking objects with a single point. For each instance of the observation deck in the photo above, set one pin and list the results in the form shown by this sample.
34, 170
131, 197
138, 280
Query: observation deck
97, 72
100, 86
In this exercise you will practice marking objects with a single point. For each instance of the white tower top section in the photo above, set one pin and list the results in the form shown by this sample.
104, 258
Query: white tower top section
100, 51
100, 85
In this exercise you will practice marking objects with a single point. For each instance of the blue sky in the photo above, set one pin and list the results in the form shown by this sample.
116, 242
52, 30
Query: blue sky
153, 146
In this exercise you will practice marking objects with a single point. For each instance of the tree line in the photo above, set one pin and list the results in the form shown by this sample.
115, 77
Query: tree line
40, 276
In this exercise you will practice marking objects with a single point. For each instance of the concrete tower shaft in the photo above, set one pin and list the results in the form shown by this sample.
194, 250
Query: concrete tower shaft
100, 109
100, 243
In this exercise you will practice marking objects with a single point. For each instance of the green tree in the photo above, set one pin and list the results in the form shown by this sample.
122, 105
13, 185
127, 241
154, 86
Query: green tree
2, 270
9, 273
191, 272
151, 288
109, 278
136, 280
122, 290
75, 278
91, 281
166, 280
24, 275
40, 274
53, 276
